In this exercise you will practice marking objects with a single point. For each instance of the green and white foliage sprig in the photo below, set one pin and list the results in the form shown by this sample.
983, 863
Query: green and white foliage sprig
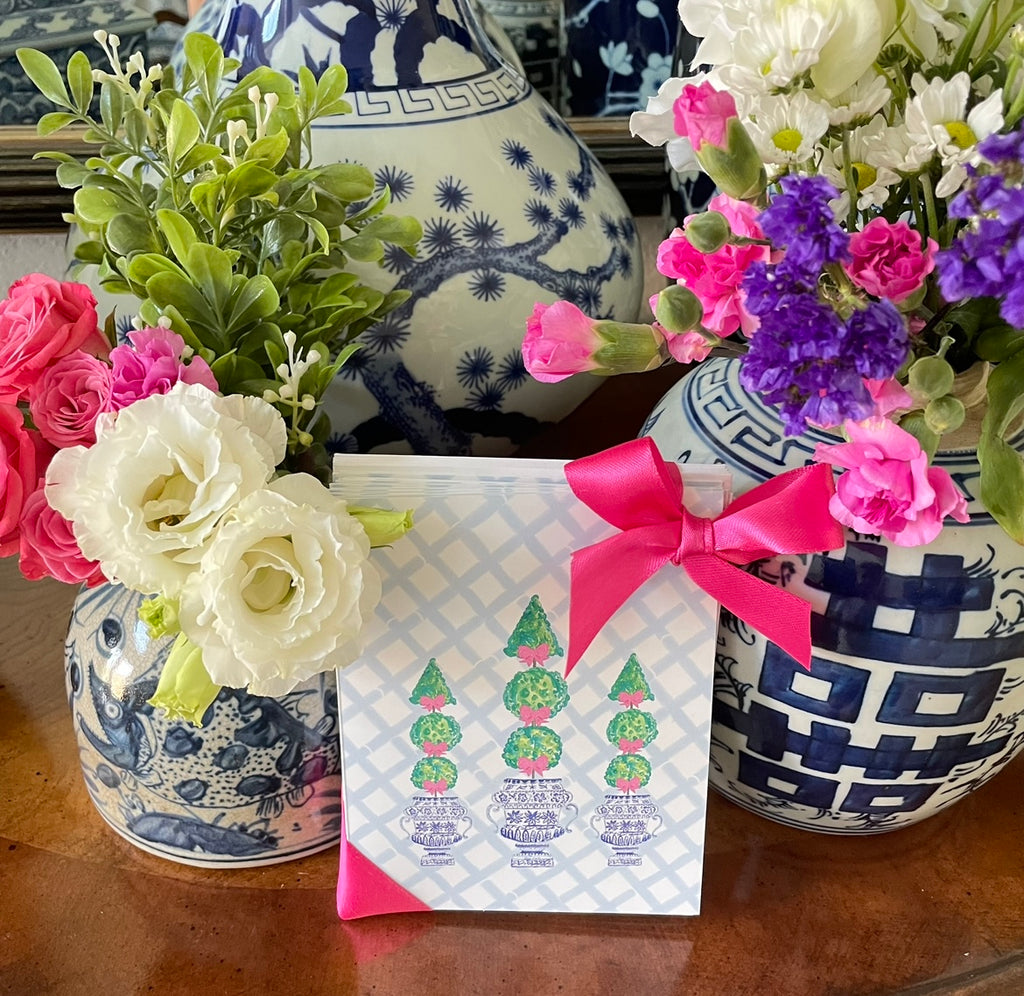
202, 202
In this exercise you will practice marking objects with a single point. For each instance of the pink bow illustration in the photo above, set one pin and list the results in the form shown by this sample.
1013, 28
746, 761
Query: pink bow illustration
432, 704
630, 746
631, 699
436, 788
434, 750
534, 655
628, 784
535, 717
634, 489
530, 767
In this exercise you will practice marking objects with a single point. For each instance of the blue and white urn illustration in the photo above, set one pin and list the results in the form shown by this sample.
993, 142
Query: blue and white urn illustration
437, 823
530, 812
515, 210
258, 782
625, 822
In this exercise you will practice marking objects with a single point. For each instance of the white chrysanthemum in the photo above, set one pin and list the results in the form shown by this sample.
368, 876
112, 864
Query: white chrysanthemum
928, 24
146, 498
872, 178
283, 590
937, 123
770, 54
787, 128
859, 103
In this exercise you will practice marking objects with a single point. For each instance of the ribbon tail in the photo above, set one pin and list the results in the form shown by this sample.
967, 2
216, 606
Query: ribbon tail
779, 615
602, 577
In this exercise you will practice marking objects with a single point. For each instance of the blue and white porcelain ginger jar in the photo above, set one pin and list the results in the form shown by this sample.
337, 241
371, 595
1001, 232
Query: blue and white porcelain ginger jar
515, 210
258, 782
915, 694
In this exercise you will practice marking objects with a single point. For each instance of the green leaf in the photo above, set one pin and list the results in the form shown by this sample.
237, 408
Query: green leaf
349, 182
1002, 467
401, 231
211, 271
257, 299
206, 61
363, 248
999, 343
54, 121
129, 233
269, 150
205, 196
180, 235
89, 251
330, 90
136, 128
199, 156
80, 81
248, 180
142, 268
42, 71
168, 290
96, 206
111, 106
182, 131
307, 90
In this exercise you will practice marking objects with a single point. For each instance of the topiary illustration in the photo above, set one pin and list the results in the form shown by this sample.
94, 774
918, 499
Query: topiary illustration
630, 730
434, 733
534, 694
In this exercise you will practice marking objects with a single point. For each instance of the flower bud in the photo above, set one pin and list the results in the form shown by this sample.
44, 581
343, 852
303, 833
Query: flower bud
930, 377
708, 232
159, 615
382, 526
735, 167
628, 348
185, 690
678, 309
945, 414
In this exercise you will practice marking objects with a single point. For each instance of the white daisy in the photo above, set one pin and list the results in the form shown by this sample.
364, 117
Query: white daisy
786, 127
873, 179
860, 102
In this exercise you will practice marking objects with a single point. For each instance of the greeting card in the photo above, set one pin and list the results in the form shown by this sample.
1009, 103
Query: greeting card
476, 774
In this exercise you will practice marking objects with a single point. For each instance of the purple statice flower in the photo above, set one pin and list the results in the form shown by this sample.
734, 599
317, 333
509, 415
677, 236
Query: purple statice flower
986, 258
801, 221
810, 362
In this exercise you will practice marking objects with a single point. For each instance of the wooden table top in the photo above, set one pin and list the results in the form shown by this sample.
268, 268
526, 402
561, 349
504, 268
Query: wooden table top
937, 908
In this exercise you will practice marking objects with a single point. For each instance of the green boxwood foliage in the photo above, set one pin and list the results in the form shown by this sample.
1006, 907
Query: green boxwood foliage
432, 684
435, 728
532, 630
632, 724
536, 687
631, 680
433, 769
533, 742
626, 767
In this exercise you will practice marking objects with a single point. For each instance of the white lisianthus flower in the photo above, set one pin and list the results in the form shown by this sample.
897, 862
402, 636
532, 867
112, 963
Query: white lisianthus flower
283, 590
937, 123
787, 127
146, 498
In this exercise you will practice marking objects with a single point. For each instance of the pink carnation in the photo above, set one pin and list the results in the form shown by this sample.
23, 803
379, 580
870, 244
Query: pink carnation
889, 260
701, 114
40, 321
68, 398
48, 546
560, 341
716, 277
153, 364
888, 488
23, 459
888, 395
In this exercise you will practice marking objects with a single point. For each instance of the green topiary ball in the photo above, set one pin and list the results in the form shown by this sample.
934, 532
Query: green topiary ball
435, 728
632, 724
532, 742
535, 688
434, 769
627, 767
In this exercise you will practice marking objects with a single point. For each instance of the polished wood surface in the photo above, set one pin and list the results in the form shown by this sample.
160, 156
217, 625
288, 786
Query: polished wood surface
937, 908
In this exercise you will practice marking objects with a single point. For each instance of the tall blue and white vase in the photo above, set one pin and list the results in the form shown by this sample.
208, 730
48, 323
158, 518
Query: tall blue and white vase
915, 694
257, 783
515, 210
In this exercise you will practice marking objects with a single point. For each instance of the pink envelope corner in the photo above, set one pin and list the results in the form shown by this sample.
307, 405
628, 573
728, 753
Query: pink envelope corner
365, 890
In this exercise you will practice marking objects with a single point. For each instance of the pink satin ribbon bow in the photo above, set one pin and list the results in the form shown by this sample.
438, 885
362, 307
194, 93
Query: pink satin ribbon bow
631, 699
432, 704
436, 788
634, 489
534, 655
434, 750
630, 746
534, 717
628, 784
530, 767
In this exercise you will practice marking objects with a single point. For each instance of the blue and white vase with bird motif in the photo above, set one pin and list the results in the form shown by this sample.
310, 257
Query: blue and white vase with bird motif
515, 210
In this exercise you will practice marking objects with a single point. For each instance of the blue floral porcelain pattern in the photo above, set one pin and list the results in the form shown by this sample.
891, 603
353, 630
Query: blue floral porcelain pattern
915, 694
258, 782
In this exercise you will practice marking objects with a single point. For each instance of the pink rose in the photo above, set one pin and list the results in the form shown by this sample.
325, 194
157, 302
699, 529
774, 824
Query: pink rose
888, 259
716, 277
701, 114
560, 341
40, 321
68, 398
888, 488
23, 459
153, 364
48, 546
